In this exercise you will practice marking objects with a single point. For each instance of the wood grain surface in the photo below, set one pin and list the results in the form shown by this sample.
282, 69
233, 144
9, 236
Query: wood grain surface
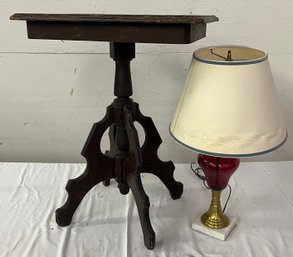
165, 19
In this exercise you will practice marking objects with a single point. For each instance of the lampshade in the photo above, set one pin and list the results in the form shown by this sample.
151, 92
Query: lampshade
229, 105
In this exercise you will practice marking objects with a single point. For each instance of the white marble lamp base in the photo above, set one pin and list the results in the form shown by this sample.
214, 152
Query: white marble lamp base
220, 234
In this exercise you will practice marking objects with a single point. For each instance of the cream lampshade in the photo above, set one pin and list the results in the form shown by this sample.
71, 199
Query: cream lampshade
228, 109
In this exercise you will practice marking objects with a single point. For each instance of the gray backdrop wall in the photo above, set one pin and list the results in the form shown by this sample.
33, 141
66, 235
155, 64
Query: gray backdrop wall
52, 91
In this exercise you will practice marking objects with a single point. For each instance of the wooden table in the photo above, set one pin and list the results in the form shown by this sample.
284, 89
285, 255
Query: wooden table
125, 160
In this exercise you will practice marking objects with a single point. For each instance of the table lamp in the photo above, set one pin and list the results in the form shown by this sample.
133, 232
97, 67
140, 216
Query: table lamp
228, 109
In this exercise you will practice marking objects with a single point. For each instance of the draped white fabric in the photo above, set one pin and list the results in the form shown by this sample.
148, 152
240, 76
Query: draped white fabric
107, 224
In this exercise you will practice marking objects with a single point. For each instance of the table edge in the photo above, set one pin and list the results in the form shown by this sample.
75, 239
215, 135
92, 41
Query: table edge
116, 18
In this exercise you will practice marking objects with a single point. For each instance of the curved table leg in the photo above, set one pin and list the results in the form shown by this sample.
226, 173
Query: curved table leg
77, 189
132, 167
99, 168
143, 204
151, 162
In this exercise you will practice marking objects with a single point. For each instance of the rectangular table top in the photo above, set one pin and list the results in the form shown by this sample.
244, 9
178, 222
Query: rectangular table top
169, 29
166, 19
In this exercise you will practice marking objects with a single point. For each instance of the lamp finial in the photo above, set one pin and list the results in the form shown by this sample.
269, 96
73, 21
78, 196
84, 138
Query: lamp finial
229, 56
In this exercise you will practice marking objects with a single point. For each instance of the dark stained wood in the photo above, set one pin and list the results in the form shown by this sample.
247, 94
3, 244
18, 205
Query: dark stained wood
133, 169
116, 28
99, 168
122, 54
126, 32
166, 19
125, 160
152, 164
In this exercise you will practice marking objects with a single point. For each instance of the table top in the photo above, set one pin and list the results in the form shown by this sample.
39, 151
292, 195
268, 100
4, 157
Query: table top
165, 19
107, 223
168, 29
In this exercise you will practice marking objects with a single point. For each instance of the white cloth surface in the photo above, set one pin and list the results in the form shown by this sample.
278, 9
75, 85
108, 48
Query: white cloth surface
107, 224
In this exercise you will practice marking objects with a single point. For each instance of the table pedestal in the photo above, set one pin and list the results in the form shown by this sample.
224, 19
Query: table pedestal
125, 160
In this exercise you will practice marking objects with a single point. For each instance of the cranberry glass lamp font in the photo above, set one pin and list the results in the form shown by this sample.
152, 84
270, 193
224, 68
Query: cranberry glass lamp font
217, 172
228, 109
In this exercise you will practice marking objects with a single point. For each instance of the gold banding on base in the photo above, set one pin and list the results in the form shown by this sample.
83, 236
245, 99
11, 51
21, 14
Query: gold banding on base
215, 217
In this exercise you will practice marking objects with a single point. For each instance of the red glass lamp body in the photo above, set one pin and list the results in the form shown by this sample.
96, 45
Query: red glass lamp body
218, 172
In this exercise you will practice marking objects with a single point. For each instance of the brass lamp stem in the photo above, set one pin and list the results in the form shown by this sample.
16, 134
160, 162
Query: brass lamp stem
215, 217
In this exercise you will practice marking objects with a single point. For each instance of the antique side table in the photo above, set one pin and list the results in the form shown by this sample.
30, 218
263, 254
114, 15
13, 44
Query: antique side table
125, 160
